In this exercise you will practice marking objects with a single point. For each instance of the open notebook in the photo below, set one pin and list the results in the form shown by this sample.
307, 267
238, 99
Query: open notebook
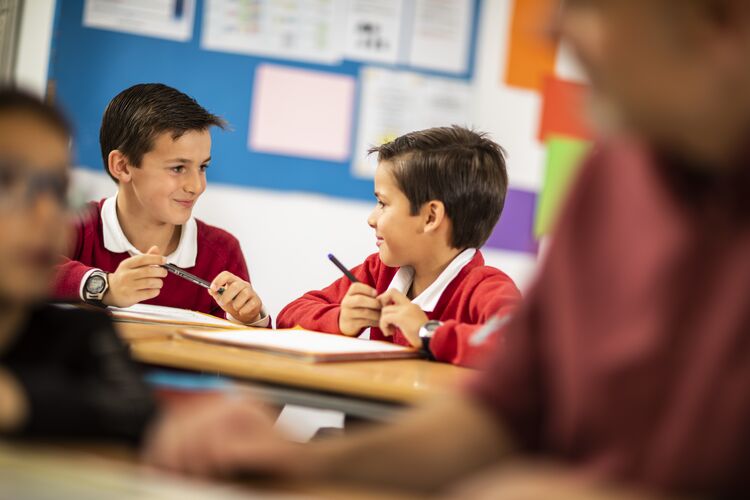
149, 314
309, 346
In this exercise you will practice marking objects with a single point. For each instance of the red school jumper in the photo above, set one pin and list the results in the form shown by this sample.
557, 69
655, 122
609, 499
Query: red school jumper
217, 251
477, 293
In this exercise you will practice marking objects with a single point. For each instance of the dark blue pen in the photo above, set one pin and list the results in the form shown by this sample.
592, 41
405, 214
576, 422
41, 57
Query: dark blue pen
178, 271
343, 268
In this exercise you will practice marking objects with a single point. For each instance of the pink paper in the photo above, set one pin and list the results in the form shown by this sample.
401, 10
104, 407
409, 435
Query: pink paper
301, 113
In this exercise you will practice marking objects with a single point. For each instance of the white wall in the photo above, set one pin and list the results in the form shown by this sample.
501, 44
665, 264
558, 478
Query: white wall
34, 43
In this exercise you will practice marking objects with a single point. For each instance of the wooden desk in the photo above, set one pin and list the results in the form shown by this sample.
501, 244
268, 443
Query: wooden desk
87, 472
394, 382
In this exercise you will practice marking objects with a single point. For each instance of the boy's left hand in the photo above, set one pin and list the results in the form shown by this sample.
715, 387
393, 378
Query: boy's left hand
239, 299
399, 312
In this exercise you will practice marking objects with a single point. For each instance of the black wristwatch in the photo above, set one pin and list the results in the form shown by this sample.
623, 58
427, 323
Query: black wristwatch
95, 287
425, 335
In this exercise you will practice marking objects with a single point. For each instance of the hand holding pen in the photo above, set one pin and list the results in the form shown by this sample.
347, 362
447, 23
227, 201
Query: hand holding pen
360, 307
136, 279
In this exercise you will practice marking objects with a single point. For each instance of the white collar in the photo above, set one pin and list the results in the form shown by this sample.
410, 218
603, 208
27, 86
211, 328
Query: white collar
116, 241
428, 299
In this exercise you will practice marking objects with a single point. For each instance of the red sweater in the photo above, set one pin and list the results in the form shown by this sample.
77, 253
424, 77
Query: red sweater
217, 251
477, 293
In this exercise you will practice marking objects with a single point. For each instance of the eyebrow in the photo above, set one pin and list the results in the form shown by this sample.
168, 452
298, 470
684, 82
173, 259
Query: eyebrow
186, 160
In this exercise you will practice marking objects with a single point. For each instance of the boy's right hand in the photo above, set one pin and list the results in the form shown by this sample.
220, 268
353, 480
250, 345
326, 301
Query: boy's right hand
136, 279
360, 309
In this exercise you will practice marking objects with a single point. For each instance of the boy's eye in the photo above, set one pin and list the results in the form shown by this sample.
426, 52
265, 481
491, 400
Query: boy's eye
381, 204
178, 170
204, 168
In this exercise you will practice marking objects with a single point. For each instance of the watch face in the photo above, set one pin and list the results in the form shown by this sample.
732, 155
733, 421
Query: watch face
429, 328
95, 284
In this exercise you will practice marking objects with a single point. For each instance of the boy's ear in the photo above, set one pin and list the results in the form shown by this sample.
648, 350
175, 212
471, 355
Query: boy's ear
434, 215
118, 166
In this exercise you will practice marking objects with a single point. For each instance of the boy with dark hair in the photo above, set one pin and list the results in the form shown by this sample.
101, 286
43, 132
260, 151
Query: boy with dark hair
156, 145
62, 372
439, 194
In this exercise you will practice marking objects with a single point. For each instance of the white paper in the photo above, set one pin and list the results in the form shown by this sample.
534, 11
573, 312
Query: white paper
170, 19
307, 30
300, 423
441, 35
393, 103
163, 314
301, 112
373, 30
302, 343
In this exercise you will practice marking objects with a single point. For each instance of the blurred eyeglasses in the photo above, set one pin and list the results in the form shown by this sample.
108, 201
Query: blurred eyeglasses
22, 185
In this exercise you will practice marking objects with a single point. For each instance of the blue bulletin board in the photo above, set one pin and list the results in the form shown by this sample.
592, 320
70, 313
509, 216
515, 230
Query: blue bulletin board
89, 66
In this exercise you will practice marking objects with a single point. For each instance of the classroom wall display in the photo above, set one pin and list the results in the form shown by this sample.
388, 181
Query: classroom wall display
256, 65
91, 65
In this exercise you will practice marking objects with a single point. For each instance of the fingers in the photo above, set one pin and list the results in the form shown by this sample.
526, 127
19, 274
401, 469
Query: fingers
200, 438
148, 284
393, 296
146, 273
407, 318
238, 298
388, 317
231, 291
362, 289
223, 279
368, 316
252, 309
361, 302
143, 260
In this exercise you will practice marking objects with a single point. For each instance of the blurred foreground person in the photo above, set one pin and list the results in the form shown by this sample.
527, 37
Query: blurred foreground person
63, 373
626, 372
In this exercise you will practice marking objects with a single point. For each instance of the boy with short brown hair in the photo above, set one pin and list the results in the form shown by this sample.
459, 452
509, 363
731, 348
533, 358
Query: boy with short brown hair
439, 193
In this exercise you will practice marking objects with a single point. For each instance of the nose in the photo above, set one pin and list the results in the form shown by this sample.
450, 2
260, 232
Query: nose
195, 183
372, 219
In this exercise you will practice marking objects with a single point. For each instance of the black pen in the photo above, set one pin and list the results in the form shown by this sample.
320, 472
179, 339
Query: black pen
344, 270
190, 277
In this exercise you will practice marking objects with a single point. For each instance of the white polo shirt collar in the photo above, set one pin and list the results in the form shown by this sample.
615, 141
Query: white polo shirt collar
115, 240
428, 299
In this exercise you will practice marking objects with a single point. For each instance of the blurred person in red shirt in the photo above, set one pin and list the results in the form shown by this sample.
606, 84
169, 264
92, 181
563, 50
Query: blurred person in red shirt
626, 371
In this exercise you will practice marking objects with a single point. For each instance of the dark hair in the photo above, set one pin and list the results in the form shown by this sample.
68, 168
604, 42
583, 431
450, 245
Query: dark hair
14, 100
138, 114
459, 167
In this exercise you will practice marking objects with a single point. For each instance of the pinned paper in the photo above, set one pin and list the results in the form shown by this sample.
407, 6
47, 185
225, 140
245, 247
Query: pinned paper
564, 110
441, 35
393, 103
170, 19
301, 113
532, 52
373, 30
563, 160
515, 229
292, 29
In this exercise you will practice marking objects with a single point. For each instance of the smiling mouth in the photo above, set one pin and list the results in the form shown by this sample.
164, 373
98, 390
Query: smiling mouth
186, 203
